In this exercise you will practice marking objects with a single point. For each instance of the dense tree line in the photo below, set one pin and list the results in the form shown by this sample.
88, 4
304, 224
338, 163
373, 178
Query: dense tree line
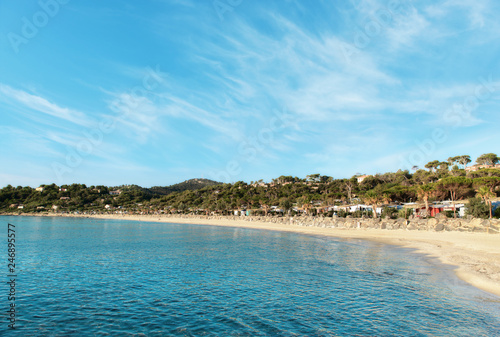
447, 180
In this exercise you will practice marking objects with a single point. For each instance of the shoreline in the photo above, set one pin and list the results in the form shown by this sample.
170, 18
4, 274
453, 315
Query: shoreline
475, 256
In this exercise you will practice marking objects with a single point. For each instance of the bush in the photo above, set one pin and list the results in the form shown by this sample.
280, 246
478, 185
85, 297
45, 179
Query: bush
390, 212
449, 214
342, 214
496, 214
477, 208
405, 213
357, 214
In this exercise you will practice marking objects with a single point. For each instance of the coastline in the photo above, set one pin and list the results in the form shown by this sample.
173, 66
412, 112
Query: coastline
475, 256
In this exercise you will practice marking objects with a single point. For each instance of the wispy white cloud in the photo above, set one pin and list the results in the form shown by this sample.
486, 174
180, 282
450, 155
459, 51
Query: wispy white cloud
40, 104
408, 28
475, 9
453, 17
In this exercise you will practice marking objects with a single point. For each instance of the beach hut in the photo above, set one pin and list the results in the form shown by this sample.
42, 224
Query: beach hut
420, 210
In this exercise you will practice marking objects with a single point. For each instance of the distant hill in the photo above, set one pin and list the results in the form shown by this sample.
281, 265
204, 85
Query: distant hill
192, 184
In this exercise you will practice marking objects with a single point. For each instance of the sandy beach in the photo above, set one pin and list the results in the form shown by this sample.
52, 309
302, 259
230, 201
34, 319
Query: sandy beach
476, 256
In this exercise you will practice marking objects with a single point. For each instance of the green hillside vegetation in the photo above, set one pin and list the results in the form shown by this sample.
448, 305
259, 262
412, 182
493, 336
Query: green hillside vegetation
188, 185
450, 180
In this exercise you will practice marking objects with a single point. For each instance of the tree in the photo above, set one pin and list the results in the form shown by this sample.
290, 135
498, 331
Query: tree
464, 160
386, 197
486, 172
424, 192
348, 185
490, 182
313, 177
484, 193
443, 168
485, 188
453, 160
488, 159
423, 177
456, 187
444, 165
286, 204
326, 179
432, 165
305, 202
372, 198
370, 183
264, 205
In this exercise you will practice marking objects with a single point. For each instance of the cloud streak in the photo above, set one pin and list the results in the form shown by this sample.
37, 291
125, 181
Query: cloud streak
36, 103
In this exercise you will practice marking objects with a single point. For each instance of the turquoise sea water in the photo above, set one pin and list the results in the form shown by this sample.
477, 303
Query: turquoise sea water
84, 277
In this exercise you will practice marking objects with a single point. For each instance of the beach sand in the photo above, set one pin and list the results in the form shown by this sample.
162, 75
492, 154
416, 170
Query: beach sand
476, 256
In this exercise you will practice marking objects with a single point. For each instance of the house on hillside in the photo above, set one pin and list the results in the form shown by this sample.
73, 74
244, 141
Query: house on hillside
363, 177
39, 189
476, 167
117, 192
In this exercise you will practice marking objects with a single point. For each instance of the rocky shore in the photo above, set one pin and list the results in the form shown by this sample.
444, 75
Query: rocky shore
434, 224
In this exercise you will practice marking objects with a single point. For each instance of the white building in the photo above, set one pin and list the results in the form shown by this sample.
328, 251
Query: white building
363, 177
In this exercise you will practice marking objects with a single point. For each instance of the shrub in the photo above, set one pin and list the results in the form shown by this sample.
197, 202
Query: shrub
405, 213
390, 212
449, 214
342, 214
477, 208
496, 214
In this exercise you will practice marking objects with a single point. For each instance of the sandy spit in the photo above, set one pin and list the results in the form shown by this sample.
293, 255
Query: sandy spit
476, 256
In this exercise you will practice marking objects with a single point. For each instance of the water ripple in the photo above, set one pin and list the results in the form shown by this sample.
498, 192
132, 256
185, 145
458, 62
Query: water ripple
107, 278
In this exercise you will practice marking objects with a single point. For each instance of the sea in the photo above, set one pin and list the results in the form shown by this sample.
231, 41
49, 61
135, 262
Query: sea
91, 277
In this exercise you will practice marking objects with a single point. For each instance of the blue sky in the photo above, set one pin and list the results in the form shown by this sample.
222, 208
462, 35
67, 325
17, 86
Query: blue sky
156, 92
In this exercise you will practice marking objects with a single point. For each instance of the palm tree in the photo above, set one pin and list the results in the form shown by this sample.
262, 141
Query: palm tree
386, 198
424, 192
372, 198
304, 202
484, 193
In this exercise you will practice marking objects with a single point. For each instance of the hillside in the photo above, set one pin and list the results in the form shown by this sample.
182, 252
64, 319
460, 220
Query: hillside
188, 185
